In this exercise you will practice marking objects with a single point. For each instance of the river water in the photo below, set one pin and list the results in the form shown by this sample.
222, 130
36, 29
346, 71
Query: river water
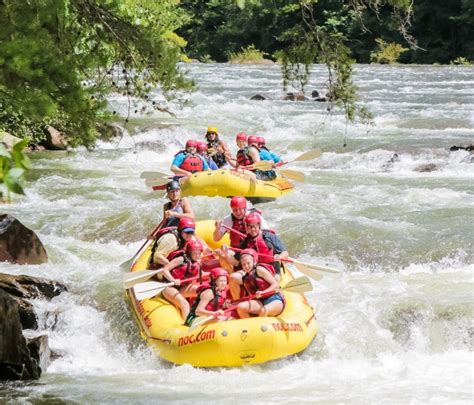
395, 327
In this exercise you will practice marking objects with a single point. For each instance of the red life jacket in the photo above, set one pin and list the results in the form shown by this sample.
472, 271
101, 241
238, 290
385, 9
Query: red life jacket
217, 302
243, 158
260, 246
253, 283
187, 269
192, 163
238, 225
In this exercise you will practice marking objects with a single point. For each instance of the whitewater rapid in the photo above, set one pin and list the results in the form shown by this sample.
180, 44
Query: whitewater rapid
395, 327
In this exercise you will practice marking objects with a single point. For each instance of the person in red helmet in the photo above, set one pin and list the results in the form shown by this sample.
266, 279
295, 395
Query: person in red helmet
169, 240
243, 157
218, 149
253, 142
188, 161
257, 279
239, 209
269, 247
202, 150
185, 263
265, 153
211, 297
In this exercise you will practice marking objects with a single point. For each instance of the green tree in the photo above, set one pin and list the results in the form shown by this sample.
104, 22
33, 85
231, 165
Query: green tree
59, 59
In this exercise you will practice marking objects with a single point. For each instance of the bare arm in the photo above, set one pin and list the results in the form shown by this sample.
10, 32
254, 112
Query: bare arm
268, 277
178, 261
206, 297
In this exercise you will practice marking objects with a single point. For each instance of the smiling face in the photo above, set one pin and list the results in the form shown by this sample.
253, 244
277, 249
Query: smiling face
241, 144
239, 213
247, 262
191, 149
253, 229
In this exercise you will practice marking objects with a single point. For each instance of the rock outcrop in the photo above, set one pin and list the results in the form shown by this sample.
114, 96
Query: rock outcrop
23, 358
19, 244
55, 140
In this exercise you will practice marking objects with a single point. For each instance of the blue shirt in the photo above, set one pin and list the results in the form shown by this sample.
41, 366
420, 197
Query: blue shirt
211, 163
179, 159
265, 154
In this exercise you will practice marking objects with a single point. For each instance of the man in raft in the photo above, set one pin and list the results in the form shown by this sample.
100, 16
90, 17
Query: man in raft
235, 220
169, 240
188, 161
184, 264
217, 148
177, 207
269, 247
257, 279
211, 297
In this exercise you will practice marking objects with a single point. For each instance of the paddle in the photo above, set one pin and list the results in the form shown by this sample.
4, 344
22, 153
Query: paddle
309, 155
139, 276
293, 175
128, 263
297, 285
306, 268
157, 182
150, 289
153, 175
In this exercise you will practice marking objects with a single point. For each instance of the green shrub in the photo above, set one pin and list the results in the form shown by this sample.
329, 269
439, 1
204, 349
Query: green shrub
387, 53
13, 166
461, 60
248, 55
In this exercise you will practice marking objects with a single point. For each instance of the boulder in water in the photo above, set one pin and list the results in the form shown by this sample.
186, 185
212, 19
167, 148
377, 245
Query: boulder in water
19, 244
258, 97
294, 97
109, 130
425, 168
55, 140
469, 148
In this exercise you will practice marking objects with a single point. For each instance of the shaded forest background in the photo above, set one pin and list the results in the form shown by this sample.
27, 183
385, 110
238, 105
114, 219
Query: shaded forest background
444, 29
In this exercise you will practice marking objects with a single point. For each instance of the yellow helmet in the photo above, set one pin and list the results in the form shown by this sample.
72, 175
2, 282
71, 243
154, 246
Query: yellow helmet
212, 129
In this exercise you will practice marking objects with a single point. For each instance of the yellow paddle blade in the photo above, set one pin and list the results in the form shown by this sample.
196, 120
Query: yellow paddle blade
153, 175
149, 289
157, 182
311, 154
262, 165
307, 267
139, 276
294, 175
298, 285
199, 321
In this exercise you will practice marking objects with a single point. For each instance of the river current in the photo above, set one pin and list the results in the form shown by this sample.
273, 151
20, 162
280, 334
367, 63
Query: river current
395, 327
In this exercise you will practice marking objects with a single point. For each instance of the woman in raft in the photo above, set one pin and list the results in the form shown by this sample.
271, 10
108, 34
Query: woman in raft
258, 279
211, 297
184, 264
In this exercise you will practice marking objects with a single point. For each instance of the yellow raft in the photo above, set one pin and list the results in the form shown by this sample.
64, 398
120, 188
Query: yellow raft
224, 344
227, 183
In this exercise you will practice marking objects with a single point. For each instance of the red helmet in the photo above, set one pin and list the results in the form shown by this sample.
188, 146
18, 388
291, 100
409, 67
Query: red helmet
192, 245
241, 136
191, 143
260, 140
250, 252
186, 225
252, 139
217, 272
238, 202
202, 146
253, 218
